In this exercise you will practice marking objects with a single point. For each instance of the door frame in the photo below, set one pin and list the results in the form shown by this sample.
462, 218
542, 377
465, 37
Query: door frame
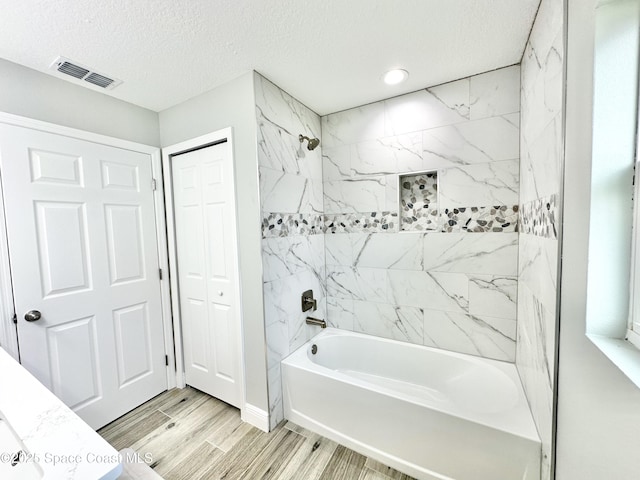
203, 141
8, 330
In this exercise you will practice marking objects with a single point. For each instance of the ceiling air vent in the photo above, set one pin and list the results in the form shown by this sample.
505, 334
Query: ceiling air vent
83, 73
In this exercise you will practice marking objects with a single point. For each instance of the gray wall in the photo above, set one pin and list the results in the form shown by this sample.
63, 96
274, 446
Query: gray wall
598, 432
36, 95
232, 105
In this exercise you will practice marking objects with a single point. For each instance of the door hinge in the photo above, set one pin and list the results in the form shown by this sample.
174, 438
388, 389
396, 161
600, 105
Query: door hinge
166, 360
15, 318
154, 184
160, 273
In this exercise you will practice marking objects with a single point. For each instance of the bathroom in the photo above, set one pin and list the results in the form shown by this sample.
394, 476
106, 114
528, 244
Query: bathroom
507, 150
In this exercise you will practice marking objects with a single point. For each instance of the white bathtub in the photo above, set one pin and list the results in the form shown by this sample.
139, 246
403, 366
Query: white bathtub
429, 413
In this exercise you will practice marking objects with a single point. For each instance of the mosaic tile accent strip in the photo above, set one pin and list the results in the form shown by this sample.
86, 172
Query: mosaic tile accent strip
421, 219
540, 217
500, 218
383, 222
419, 202
292, 224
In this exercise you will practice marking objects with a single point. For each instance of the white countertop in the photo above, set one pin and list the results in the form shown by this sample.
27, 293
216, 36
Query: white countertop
64, 446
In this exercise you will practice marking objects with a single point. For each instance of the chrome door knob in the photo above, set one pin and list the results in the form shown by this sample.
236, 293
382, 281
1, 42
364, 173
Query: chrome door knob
32, 315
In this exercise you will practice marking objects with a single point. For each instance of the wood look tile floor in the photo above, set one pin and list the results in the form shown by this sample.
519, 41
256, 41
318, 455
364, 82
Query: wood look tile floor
193, 436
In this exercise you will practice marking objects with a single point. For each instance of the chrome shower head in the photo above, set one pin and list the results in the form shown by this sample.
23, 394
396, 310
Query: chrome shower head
312, 143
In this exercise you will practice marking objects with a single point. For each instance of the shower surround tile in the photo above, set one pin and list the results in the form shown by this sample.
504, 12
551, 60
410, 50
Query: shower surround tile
495, 93
284, 192
483, 141
336, 163
354, 125
484, 184
357, 283
434, 290
280, 109
460, 256
362, 194
493, 296
291, 196
482, 253
429, 108
389, 321
340, 313
460, 332
395, 252
542, 93
387, 155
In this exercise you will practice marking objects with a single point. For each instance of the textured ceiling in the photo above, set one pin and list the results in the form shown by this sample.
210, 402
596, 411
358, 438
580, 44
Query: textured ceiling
330, 54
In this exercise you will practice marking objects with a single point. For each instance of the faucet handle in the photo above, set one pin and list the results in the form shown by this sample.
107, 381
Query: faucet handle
308, 302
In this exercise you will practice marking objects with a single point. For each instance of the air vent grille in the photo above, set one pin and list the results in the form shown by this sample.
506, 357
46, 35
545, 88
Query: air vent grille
81, 72
73, 70
99, 80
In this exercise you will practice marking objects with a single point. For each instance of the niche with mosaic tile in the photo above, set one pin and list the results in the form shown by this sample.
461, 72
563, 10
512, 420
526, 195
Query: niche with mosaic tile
419, 202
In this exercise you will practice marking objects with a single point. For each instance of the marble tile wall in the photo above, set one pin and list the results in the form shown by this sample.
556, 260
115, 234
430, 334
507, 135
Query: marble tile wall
293, 225
540, 176
453, 285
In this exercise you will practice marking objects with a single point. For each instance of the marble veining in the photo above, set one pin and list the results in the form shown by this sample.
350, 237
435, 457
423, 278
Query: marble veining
540, 178
494, 183
475, 335
49, 429
292, 204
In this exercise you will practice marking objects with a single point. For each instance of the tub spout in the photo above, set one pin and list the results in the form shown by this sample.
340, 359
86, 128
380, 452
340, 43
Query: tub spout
316, 321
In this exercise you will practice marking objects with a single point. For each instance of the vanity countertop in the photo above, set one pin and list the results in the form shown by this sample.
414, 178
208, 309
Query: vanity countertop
63, 445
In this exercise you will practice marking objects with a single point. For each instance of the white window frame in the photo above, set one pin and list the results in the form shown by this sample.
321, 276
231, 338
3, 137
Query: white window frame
633, 326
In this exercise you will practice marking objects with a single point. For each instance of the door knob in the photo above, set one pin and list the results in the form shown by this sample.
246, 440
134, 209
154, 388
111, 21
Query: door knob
32, 315
220, 292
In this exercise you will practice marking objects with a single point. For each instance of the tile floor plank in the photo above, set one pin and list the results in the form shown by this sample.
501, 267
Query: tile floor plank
178, 438
310, 460
197, 437
123, 434
197, 465
387, 471
344, 464
274, 457
235, 462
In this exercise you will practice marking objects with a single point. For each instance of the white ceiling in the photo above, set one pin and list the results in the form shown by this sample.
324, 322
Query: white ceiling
330, 54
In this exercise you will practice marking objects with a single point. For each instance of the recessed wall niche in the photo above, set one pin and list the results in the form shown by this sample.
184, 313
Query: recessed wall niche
419, 201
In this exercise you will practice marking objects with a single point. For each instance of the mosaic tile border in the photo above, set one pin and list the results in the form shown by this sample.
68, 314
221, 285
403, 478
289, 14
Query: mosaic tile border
383, 222
540, 217
500, 218
292, 224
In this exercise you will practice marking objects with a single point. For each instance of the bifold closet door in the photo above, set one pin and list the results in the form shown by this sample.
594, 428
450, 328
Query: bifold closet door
204, 209
84, 262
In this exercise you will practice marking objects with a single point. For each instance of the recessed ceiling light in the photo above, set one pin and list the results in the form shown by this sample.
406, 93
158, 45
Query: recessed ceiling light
394, 77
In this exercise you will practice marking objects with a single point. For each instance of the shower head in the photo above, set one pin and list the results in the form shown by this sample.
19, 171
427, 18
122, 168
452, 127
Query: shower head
312, 143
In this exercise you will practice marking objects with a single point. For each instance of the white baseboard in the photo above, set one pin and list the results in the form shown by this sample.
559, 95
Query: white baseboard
255, 416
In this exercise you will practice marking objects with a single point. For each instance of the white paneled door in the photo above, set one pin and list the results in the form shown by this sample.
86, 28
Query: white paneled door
204, 210
82, 245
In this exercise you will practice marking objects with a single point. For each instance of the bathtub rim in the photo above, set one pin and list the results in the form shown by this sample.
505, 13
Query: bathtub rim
299, 358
